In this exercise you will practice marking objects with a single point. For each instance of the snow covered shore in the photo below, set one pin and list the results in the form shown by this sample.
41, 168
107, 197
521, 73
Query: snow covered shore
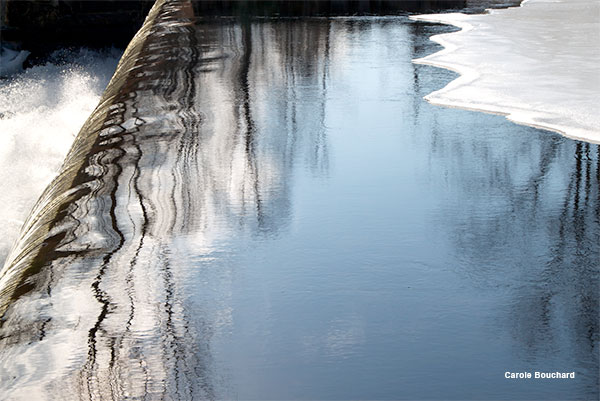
537, 64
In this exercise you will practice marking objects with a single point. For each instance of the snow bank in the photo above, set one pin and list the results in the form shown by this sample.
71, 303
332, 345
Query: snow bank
537, 64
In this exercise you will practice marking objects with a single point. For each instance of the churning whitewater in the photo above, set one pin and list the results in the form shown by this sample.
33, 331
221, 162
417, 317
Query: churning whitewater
41, 111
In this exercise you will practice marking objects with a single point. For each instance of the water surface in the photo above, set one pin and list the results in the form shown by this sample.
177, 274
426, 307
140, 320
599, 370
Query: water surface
269, 210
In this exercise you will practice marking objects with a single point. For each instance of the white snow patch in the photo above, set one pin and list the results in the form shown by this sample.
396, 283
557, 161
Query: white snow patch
537, 64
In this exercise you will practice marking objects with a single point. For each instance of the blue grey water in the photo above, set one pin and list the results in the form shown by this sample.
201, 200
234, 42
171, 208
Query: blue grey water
270, 210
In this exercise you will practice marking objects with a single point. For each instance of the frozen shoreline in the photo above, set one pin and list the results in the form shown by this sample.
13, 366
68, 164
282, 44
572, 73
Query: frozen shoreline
535, 64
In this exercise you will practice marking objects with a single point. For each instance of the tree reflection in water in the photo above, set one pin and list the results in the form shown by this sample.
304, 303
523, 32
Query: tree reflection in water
124, 282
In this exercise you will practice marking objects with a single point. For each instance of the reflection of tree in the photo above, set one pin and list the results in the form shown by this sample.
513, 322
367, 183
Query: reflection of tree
524, 222
279, 68
535, 226
572, 267
188, 145
248, 123
164, 363
324, 8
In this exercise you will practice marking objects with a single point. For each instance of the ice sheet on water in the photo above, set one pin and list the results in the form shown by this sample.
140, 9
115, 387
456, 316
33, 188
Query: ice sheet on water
537, 64
41, 111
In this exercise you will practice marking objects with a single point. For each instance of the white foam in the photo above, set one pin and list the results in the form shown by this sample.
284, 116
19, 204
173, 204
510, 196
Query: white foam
537, 64
41, 111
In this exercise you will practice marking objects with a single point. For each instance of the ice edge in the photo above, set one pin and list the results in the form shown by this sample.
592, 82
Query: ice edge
527, 117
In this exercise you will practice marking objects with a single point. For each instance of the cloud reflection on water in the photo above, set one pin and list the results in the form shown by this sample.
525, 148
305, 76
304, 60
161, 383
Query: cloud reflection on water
269, 204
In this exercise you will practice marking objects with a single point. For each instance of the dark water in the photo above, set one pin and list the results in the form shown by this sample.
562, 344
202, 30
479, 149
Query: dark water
269, 210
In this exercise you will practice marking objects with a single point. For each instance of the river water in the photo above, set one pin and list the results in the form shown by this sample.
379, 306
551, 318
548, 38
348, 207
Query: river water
270, 210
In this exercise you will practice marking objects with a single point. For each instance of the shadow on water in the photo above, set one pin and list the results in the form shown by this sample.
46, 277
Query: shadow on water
128, 270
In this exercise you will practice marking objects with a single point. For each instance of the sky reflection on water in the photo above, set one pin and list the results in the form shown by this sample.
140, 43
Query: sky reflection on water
284, 217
